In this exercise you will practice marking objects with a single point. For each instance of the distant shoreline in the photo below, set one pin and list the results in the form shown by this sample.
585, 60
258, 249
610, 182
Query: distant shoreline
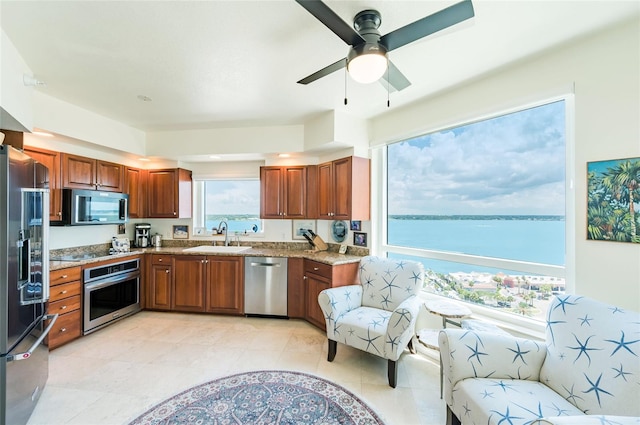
477, 217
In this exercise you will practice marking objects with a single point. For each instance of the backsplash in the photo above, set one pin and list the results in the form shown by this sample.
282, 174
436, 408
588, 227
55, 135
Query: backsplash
103, 249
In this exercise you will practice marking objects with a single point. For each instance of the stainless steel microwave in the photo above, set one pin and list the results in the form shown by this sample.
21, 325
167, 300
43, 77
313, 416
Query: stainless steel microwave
89, 207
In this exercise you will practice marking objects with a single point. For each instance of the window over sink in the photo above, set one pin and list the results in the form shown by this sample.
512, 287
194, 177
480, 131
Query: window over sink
235, 200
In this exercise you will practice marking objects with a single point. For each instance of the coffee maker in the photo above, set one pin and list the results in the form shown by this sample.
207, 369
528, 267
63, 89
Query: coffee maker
142, 237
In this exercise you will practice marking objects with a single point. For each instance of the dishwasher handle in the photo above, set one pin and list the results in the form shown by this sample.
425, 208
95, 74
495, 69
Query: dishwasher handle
256, 264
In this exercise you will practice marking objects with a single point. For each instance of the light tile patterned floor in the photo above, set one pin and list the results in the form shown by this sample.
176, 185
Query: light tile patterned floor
117, 373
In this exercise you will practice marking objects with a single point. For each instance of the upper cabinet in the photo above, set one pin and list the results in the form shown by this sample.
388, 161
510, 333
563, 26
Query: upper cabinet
283, 192
169, 193
79, 172
344, 189
135, 185
51, 160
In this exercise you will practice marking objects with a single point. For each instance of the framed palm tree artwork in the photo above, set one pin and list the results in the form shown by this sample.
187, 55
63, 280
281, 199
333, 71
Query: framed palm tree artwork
613, 200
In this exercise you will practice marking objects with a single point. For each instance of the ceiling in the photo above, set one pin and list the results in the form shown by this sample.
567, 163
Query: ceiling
208, 64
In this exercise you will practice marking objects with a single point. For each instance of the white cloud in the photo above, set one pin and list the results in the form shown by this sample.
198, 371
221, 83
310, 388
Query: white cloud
512, 164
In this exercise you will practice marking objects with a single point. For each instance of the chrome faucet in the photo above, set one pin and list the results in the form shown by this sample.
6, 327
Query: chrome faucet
226, 231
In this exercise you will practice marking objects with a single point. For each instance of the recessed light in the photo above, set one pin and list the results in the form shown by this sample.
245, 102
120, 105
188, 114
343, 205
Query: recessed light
144, 159
215, 157
144, 98
284, 155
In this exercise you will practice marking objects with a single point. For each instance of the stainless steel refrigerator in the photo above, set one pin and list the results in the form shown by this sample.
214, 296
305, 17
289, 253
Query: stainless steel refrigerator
24, 284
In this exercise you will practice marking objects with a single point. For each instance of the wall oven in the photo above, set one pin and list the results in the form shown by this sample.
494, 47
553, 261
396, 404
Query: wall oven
111, 292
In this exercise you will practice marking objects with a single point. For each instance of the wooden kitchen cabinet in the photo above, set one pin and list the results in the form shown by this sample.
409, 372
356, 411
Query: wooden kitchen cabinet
225, 284
283, 192
189, 283
296, 302
344, 189
169, 193
51, 160
65, 299
320, 276
79, 172
135, 185
159, 284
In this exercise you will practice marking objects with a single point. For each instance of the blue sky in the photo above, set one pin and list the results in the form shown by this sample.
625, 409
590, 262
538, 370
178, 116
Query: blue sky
513, 164
233, 197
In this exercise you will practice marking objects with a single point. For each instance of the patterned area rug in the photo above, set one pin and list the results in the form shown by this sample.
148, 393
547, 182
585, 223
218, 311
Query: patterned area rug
267, 397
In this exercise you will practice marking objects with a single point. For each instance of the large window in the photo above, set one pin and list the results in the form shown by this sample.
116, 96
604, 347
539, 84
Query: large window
483, 207
236, 201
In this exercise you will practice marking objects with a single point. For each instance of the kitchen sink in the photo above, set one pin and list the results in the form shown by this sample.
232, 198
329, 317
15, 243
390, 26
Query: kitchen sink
217, 249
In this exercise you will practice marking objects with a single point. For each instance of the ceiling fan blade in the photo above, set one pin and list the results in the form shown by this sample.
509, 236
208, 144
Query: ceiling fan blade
324, 71
428, 25
394, 78
324, 14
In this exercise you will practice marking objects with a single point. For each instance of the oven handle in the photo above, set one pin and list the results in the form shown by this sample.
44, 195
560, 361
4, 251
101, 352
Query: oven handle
110, 281
25, 355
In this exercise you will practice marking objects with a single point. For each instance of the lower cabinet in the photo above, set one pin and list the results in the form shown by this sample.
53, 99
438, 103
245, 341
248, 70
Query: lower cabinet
296, 302
65, 299
318, 277
195, 283
159, 283
225, 285
188, 283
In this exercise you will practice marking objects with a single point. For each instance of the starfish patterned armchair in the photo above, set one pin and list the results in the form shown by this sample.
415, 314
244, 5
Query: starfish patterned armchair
586, 372
379, 315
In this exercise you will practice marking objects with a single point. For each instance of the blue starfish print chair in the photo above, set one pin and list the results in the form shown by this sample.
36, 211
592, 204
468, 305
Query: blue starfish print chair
587, 371
379, 315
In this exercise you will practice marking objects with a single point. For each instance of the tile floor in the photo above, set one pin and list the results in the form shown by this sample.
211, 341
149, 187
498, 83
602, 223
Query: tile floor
117, 373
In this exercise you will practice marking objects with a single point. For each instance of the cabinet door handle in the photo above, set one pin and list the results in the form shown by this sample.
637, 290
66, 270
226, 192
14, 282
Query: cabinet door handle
64, 276
315, 269
64, 307
304, 278
174, 213
167, 271
63, 329
60, 213
159, 260
63, 292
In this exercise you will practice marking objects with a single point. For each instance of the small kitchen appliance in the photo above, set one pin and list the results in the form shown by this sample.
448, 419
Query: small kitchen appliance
156, 240
142, 236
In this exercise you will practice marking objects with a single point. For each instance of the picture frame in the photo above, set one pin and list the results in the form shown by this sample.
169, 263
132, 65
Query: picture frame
359, 239
356, 225
298, 225
343, 249
612, 205
181, 232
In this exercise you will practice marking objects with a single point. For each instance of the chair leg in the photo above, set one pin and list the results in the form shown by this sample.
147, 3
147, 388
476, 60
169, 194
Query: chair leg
333, 346
392, 373
452, 419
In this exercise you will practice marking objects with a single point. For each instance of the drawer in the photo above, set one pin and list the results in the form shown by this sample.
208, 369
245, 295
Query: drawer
65, 290
321, 269
57, 277
161, 259
66, 305
67, 327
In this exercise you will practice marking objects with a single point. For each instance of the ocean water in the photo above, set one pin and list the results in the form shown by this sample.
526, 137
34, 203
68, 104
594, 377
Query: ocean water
533, 240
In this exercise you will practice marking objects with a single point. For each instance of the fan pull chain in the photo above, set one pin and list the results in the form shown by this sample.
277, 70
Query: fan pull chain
388, 85
345, 85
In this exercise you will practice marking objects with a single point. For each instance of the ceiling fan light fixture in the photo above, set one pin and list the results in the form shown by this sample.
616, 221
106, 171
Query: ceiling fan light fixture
367, 63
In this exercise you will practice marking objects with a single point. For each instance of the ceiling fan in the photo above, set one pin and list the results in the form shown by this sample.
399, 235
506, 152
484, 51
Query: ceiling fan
367, 59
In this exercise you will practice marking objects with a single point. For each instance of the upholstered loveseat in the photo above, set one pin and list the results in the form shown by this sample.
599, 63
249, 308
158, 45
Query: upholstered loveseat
587, 370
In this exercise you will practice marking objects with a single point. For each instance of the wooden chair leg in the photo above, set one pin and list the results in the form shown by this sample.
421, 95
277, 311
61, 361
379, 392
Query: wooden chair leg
452, 419
333, 346
392, 373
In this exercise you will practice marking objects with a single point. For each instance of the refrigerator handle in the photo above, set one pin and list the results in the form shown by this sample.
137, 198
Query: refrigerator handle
24, 261
25, 355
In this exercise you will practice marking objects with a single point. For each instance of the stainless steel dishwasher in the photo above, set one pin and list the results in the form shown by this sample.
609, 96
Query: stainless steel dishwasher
265, 286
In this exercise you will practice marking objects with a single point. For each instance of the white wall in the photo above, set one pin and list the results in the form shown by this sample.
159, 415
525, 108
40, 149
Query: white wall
15, 99
604, 73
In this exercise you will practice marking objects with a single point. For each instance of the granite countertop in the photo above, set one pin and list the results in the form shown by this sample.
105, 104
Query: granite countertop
326, 257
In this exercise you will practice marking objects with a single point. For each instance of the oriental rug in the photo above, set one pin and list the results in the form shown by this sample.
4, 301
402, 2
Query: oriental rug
268, 397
